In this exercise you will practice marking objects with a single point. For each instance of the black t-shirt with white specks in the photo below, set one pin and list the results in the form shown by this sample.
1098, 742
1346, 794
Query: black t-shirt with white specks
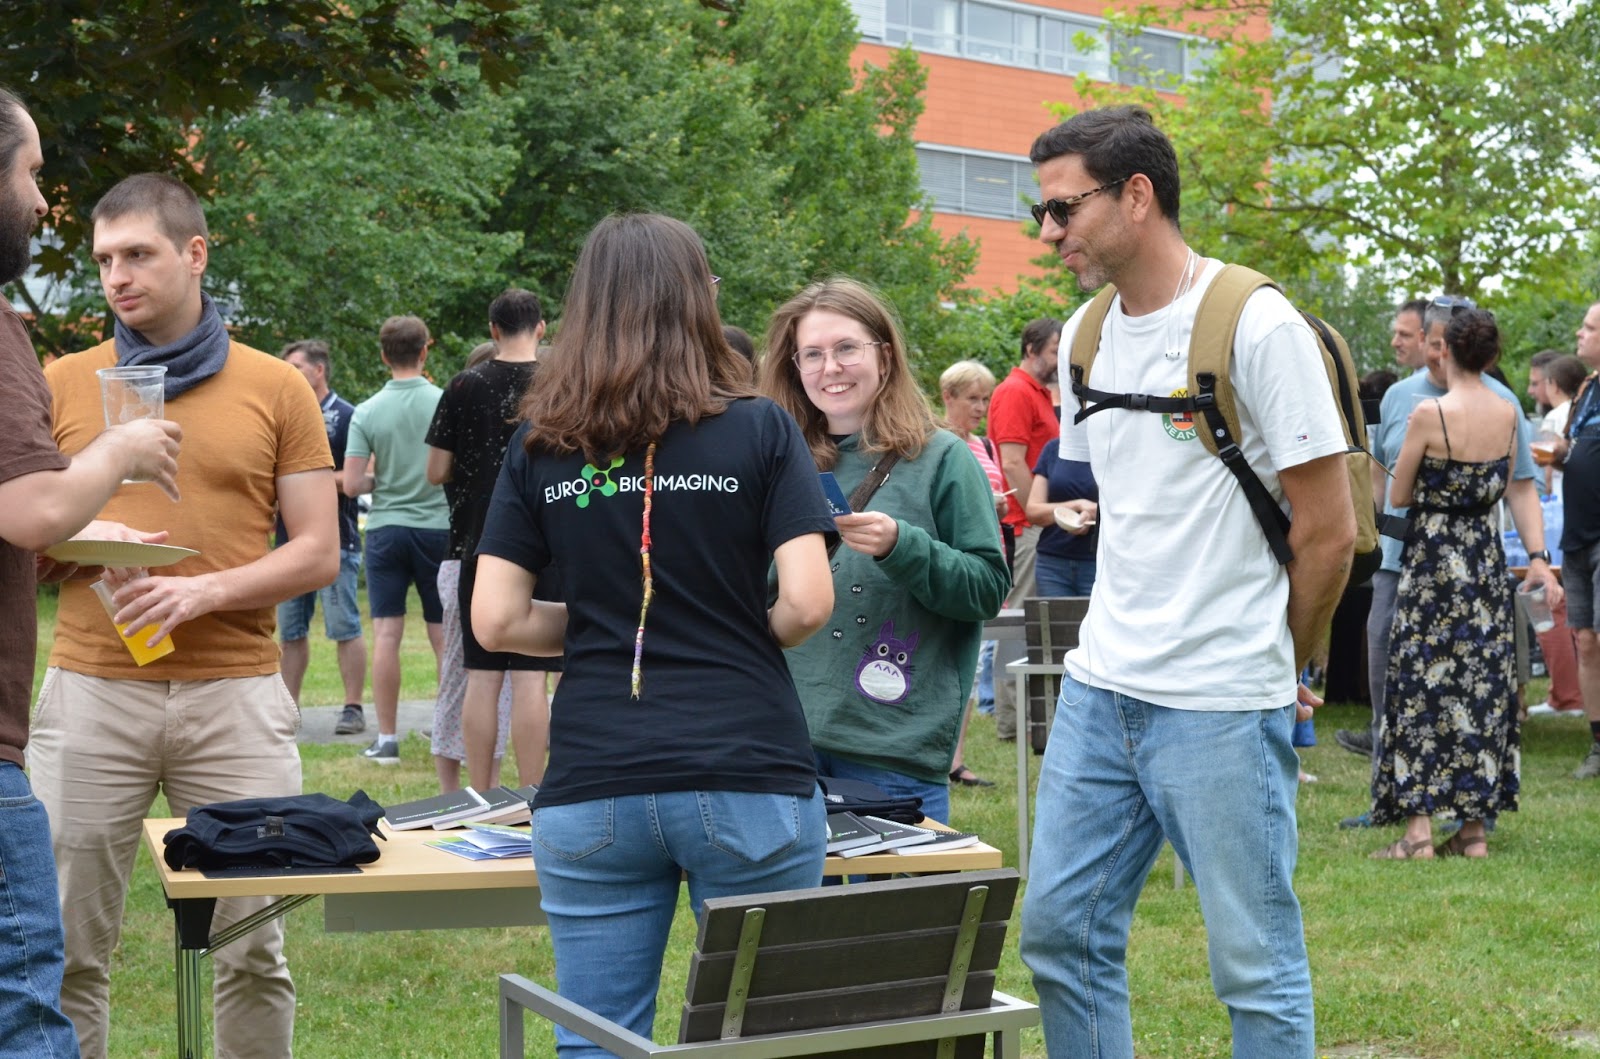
475, 420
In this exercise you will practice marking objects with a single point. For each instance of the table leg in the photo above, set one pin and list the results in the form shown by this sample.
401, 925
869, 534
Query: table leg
1024, 748
192, 937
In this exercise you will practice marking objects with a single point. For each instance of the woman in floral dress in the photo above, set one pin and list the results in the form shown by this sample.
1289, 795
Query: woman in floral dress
1449, 735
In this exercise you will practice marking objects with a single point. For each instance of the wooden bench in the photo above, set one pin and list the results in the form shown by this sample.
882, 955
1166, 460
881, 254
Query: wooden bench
903, 969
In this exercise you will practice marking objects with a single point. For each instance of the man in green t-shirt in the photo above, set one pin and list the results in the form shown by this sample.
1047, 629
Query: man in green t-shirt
408, 531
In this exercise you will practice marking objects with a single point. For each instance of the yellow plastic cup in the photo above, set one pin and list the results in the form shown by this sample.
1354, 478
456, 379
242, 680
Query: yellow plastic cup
137, 643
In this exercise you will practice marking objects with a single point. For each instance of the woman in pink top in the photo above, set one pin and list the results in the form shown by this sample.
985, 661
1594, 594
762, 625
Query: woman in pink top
965, 388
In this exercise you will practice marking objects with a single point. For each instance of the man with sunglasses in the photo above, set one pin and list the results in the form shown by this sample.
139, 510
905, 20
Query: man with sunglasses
1176, 708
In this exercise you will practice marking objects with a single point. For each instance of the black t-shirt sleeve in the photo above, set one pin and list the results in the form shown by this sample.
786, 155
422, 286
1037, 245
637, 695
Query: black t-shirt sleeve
447, 416
513, 530
795, 504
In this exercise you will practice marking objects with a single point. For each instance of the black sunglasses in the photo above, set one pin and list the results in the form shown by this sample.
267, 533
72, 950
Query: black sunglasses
1060, 210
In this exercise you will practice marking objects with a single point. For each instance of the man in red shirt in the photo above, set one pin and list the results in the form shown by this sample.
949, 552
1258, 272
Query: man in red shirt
1021, 419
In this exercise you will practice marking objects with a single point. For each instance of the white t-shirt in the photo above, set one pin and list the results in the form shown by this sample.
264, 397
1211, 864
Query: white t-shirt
1555, 422
1190, 608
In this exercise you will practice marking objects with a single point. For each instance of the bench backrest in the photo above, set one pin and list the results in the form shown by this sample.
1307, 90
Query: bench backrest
842, 955
1050, 624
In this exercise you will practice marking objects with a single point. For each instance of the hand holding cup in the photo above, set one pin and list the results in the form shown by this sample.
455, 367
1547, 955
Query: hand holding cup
149, 448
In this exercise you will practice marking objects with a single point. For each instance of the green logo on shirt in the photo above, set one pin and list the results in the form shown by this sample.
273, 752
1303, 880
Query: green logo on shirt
599, 481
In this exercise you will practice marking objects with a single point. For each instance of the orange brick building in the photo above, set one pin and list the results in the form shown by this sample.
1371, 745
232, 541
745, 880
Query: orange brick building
993, 68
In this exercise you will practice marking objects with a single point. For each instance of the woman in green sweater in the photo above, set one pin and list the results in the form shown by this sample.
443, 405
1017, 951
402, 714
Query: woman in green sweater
921, 566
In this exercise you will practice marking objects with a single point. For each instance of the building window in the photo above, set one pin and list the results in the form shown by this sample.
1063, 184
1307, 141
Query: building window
1032, 37
976, 183
927, 25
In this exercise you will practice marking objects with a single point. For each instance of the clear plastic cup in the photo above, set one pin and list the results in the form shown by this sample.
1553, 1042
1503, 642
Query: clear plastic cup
133, 392
1537, 606
130, 393
1543, 448
136, 643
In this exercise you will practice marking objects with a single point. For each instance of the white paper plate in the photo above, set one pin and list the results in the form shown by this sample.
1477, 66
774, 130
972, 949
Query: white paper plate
117, 553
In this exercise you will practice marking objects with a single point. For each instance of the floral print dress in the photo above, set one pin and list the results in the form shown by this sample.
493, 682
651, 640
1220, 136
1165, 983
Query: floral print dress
1449, 740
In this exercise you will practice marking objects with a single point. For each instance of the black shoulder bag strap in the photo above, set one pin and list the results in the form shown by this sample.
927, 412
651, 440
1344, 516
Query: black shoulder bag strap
863, 493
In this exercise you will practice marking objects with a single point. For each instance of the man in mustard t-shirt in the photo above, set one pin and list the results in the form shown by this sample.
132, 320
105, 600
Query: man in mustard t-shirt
211, 721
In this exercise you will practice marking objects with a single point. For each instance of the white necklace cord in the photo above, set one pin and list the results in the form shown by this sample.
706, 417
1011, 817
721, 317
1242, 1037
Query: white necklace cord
1185, 284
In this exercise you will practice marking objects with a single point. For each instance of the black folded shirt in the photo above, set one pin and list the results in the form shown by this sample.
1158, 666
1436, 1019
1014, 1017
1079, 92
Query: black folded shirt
306, 831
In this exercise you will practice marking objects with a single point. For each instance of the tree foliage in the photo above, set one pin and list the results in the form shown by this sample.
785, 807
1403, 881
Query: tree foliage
329, 219
120, 88
1446, 144
370, 166
753, 129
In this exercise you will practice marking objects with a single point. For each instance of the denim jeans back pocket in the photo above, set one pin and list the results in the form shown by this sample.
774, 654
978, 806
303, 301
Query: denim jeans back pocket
575, 831
751, 827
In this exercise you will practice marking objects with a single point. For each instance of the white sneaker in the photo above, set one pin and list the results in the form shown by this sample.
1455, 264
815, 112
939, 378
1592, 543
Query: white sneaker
1542, 709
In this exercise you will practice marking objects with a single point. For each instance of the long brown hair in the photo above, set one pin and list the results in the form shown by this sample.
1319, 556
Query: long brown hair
899, 418
640, 344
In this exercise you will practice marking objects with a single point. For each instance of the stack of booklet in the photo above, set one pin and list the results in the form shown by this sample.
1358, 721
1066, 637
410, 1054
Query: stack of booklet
855, 835
503, 805
487, 842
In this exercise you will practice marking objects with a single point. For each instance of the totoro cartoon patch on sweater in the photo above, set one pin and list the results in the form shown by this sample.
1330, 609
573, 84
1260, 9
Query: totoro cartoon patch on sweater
884, 672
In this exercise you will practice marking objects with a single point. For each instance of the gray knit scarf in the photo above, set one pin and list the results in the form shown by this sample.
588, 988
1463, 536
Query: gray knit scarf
190, 361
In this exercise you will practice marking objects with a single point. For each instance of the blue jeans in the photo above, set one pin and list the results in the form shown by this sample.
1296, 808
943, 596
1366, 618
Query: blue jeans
32, 942
1119, 776
341, 614
985, 690
1064, 577
609, 871
935, 796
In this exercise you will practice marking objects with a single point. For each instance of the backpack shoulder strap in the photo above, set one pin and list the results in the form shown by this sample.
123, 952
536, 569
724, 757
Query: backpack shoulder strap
1211, 345
1210, 357
1086, 342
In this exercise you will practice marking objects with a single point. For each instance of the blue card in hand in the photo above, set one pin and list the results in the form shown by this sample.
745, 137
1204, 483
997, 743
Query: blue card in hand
835, 495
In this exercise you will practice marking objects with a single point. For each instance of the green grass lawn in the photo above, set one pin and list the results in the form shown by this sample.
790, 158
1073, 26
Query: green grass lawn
1477, 960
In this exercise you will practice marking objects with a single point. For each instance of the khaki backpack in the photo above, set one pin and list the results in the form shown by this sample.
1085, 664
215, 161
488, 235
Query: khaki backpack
1210, 398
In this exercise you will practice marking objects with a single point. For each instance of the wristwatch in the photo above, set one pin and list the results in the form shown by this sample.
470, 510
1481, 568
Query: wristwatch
1543, 553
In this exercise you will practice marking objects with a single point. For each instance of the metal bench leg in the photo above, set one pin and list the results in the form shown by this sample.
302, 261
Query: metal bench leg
511, 1027
1024, 747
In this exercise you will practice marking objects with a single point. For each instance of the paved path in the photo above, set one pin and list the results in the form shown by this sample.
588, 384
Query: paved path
316, 722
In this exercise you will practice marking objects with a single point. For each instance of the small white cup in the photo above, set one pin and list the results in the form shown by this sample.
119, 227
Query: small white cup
1070, 520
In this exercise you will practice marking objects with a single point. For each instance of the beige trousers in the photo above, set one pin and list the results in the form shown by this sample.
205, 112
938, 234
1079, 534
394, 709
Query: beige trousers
99, 751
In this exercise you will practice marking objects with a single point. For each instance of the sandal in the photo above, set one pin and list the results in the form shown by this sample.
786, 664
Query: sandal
967, 778
1456, 846
1403, 850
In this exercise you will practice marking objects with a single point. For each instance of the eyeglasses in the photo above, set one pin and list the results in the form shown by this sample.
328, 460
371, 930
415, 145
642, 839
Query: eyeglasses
1454, 302
811, 359
1060, 210
716, 281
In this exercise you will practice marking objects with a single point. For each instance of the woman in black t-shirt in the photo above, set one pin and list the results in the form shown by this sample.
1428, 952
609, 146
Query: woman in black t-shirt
661, 488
